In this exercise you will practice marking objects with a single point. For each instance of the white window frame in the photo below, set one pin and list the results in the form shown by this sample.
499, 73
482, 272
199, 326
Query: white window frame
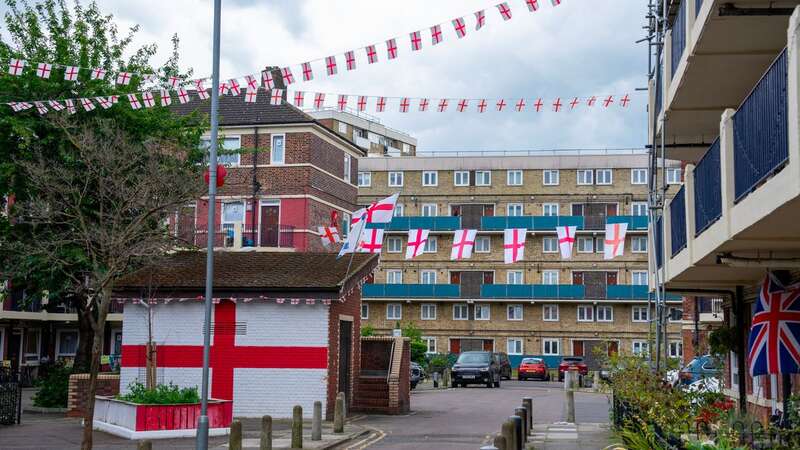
551, 341
429, 349
676, 345
435, 176
483, 307
424, 209
479, 174
599, 244
637, 177
610, 314
547, 276
638, 205
460, 308
515, 206
637, 248
550, 244
364, 179
342, 127
640, 309
347, 167
488, 241
431, 245
399, 210
588, 313
461, 174
364, 308
637, 274
584, 239
392, 240
427, 273
395, 179
517, 275
394, 307
674, 175
60, 332
430, 307
554, 313
601, 181
396, 273
512, 173
548, 209
222, 212
272, 159
553, 178
515, 341
221, 158
643, 347
585, 173
511, 312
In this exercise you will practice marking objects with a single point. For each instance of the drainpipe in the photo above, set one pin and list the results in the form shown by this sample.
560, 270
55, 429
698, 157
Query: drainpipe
256, 188
739, 307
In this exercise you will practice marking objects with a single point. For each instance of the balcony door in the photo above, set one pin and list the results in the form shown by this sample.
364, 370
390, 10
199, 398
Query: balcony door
594, 214
595, 282
471, 214
470, 282
270, 225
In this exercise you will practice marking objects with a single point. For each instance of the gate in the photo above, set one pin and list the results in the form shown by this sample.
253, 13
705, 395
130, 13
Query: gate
10, 397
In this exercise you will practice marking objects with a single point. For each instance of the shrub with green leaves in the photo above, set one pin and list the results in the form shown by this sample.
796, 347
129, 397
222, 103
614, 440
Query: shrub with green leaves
163, 394
53, 387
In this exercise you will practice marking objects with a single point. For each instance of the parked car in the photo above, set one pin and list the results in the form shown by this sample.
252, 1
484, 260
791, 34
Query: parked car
700, 367
416, 374
505, 365
476, 368
568, 362
533, 368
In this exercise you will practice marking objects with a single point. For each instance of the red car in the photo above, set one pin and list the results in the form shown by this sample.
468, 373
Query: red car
572, 361
533, 368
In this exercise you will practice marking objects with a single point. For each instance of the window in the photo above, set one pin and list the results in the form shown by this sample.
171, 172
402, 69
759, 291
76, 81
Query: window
550, 244
514, 346
514, 312
394, 276
483, 244
676, 349
550, 177
640, 314
427, 277
550, 346
399, 209
639, 208
515, 209
599, 244
639, 277
460, 312
395, 179
430, 245
406, 148
364, 179
639, 244
604, 176
430, 344
675, 314
483, 178
550, 313
363, 134
430, 209
585, 313
640, 347
673, 175
482, 312
461, 178
394, 244
67, 343
232, 212
365, 311
585, 176
550, 277
549, 209
277, 154
227, 145
347, 168
638, 176
394, 311
514, 277
430, 178
605, 313
585, 244
342, 128
514, 178
428, 311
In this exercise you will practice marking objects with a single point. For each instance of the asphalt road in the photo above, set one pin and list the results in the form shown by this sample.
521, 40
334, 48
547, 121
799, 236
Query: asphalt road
466, 418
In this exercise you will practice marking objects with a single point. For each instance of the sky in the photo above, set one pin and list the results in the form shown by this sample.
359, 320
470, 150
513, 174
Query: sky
580, 48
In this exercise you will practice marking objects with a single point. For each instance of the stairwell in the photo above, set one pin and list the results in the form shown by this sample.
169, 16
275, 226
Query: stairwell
384, 382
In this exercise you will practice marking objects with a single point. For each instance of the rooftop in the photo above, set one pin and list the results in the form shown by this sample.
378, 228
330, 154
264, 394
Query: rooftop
234, 111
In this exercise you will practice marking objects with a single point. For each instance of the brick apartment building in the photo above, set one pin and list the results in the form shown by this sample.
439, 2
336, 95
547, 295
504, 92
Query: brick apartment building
367, 132
540, 306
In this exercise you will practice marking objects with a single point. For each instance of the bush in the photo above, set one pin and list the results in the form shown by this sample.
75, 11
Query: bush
163, 394
53, 387
437, 363
367, 330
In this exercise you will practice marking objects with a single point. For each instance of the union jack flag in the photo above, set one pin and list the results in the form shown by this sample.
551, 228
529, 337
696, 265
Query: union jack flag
774, 344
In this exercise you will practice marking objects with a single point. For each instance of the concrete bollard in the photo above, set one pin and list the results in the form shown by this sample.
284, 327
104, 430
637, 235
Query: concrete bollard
235, 438
569, 392
519, 442
523, 414
316, 422
447, 378
527, 402
266, 433
596, 382
338, 414
297, 427
144, 445
500, 442
507, 433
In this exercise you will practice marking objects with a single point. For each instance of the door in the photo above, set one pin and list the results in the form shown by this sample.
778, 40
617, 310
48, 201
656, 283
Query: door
611, 278
595, 217
270, 229
471, 284
613, 348
611, 209
488, 277
455, 346
455, 277
577, 209
577, 348
345, 352
595, 283
488, 345
14, 342
577, 278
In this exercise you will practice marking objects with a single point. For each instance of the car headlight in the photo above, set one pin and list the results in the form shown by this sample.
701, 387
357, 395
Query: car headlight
484, 369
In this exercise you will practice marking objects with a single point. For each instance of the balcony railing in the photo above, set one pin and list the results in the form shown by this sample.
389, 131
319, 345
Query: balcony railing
441, 223
659, 244
533, 291
532, 223
678, 37
707, 190
659, 81
411, 290
266, 236
677, 215
626, 292
634, 222
760, 130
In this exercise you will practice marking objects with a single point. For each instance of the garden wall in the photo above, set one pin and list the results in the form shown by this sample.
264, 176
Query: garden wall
107, 385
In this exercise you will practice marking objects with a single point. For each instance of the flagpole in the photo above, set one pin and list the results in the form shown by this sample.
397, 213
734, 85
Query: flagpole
202, 423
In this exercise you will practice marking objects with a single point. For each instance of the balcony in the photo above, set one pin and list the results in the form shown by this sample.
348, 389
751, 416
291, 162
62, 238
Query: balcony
533, 291
635, 223
267, 236
707, 190
677, 211
678, 37
411, 291
531, 223
439, 223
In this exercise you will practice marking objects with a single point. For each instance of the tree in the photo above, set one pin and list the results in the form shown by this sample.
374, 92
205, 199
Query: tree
418, 346
109, 201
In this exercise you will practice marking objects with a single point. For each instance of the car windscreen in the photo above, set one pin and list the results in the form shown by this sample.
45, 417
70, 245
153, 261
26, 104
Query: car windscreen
531, 361
572, 360
473, 358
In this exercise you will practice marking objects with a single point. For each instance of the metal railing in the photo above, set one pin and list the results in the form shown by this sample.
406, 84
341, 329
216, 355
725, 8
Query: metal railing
707, 190
373, 290
659, 82
760, 130
678, 37
281, 236
533, 223
677, 215
433, 223
533, 152
659, 241
534, 291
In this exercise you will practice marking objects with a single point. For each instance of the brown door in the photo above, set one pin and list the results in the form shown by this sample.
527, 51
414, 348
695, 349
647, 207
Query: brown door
577, 277
488, 277
455, 277
488, 210
613, 348
611, 278
270, 230
595, 283
577, 209
488, 345
455, 210
577, 348
611, 209
345, 350
455, 345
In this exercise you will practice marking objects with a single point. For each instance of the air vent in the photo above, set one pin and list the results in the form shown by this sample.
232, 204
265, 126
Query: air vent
228, 328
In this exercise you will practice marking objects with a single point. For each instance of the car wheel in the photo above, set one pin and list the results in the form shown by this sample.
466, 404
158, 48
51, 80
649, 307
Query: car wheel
497, 383
489, 384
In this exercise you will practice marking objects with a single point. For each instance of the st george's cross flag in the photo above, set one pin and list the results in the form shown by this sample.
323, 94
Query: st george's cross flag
463, 243
416, 242
514, 245
371, 240
329, 235
774, 343
614, 244
350, 243
382, 210
566, 240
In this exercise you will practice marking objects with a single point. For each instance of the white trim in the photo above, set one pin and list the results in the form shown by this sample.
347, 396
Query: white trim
459, 305
597, 178
426, 339
557, 340
389, 178
455, 172
515, 204
521, 312
558, 313
394, 304
580, 308
363, 317
114, 332
483, 171
636, 170
435, 175
597, 316
358, 178
483, 251
393, 239
558, 177
578, 178
640, 307
521, 345
521, 177
126, 433
481, 305
551, 204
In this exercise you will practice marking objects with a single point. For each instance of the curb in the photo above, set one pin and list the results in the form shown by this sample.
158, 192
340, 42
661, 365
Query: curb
348, 438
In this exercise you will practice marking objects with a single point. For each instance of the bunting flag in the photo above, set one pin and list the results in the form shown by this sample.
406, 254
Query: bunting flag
148, 100
416, 41
480, 19
533, 5
104, 102
15, 66
329, 236
514, 245
774, 342
234, 87
250, 96
276, 98
71, 73
566, 240
504, 10
342, 102
463, 243
308, 73
460, 27
391, 48
266, 77
350, 60
614, 244
134, 101
124, 78
174, 81
183, 96
372, 54
299, 98
43, 70
330, 64
417, 239
436, 34
166, 100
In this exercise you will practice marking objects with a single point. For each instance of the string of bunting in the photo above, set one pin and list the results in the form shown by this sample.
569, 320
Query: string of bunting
305, 71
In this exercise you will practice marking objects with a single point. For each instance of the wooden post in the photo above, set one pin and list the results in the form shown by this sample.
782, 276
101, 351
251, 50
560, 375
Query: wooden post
235, 438
266, 433
297, 427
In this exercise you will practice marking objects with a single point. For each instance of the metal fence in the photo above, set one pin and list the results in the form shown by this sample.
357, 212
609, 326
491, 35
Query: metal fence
678, 37
10, 397
659, 242
677, 215
707, 190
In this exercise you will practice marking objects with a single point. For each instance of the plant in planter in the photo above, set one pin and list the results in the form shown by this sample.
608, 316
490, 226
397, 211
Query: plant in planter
163, 394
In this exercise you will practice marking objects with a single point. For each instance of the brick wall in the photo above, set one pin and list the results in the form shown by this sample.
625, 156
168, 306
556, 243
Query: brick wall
77, 399
375, 355
350, 308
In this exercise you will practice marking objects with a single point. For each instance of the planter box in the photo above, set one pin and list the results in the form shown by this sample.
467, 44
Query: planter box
135, 421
